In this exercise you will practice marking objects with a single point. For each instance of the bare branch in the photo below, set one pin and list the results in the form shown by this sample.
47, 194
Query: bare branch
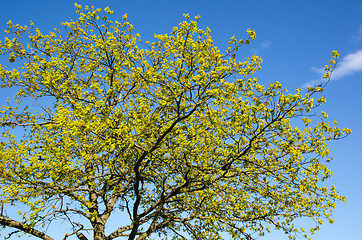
23, 227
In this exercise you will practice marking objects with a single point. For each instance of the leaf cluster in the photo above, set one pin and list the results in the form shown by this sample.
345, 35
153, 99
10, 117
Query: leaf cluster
176, 135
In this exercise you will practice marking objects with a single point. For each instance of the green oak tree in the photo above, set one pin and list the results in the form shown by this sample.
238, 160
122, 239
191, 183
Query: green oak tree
174, 137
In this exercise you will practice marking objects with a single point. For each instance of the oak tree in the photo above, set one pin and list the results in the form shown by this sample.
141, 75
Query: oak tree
174, 137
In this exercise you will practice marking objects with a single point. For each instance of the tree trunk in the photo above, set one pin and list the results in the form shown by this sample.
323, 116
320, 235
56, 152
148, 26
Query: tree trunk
99, 229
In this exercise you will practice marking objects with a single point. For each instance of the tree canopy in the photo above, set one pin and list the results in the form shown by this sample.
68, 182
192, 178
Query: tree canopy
174, 137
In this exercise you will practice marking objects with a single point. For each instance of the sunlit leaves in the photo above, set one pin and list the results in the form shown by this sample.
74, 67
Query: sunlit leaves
176, 134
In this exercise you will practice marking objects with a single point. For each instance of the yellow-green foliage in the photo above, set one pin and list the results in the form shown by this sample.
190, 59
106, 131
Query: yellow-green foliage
176, 134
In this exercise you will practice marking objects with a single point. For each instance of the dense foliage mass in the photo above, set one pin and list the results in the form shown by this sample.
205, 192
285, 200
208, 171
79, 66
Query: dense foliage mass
175, 137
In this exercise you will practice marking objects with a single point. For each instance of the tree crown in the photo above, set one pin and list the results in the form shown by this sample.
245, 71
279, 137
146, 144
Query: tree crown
175, 135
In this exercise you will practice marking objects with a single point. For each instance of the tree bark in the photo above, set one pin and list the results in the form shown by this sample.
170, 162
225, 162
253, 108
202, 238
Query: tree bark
99, 229
21, 226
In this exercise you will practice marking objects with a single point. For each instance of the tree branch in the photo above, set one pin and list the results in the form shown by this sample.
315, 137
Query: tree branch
23, 227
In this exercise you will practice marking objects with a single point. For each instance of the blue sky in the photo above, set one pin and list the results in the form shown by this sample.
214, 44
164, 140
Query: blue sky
295, 39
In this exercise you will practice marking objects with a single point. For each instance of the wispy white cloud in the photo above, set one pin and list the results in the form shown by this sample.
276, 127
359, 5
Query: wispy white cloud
313, 83
349, 65
357, 38
265, 44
